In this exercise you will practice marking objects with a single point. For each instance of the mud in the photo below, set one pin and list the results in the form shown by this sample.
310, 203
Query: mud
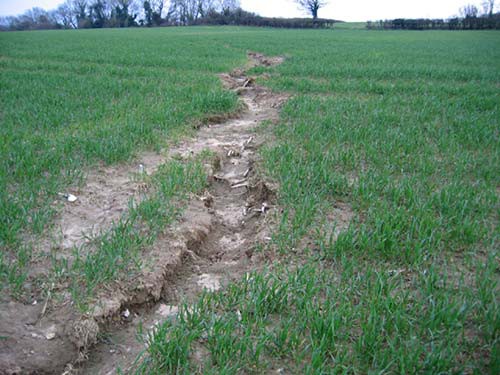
213, 244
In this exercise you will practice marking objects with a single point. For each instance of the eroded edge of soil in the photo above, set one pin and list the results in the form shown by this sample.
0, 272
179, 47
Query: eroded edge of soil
37, 337
221, 234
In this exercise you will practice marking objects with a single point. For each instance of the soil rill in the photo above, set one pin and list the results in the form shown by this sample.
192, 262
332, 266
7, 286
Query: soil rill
212, 243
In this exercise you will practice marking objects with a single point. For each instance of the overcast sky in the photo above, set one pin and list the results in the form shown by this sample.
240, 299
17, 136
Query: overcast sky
347, 10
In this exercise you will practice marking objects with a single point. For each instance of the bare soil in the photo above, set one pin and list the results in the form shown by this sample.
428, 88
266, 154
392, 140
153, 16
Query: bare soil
213, 244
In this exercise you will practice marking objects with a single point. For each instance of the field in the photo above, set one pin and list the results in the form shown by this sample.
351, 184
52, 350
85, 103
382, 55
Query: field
383, 254
350, 26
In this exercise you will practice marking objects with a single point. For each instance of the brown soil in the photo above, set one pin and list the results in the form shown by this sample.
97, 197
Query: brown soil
211, 245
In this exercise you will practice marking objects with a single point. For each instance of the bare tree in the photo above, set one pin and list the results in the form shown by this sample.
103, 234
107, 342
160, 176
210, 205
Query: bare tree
5, 22
33, 19
80, 9
182, 10
186, 12
123, 13
65, 16
469, 11
488, 7
311, 6
99, 12
157, 6
206, 6
228, 5
153, 11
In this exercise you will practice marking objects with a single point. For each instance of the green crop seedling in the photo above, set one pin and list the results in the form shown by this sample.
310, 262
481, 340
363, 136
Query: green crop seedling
401, 128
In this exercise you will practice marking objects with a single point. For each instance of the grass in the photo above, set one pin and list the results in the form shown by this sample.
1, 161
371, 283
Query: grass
299, 320
402, 126
409, 138
69, 101
350, 26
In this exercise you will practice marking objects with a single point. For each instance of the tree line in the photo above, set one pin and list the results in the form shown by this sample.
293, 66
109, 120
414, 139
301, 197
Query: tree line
82, 14
243, 18
470, 19
456, 23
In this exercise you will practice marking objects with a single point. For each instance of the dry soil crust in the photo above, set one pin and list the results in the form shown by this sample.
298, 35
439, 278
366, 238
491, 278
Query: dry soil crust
212, 244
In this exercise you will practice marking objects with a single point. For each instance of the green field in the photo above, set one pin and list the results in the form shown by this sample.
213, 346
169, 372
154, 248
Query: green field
69, 100
350, 25
402, 126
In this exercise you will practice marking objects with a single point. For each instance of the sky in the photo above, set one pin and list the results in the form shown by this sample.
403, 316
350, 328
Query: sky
346, 10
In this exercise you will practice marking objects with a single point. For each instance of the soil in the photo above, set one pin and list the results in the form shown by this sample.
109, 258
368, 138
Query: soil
213, 244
